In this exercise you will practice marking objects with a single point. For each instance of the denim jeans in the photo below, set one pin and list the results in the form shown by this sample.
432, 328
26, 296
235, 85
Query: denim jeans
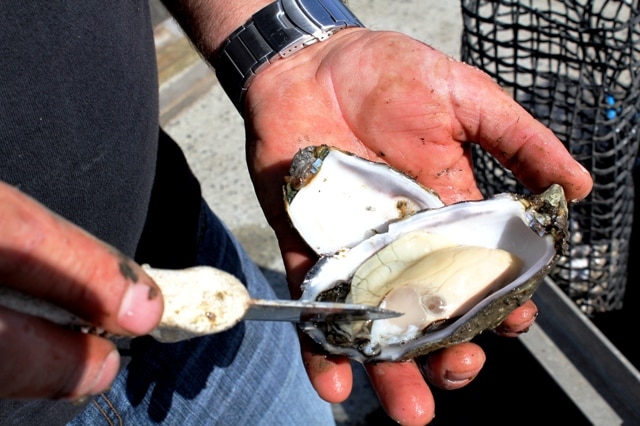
249, 375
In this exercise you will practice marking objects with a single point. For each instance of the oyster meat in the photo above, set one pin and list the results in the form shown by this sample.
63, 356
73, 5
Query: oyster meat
454, 271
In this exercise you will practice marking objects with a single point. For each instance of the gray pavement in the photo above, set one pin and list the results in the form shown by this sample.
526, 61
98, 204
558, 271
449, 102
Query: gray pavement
197, 114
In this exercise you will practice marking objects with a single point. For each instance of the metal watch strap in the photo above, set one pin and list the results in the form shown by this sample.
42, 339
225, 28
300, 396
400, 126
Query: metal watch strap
274, 32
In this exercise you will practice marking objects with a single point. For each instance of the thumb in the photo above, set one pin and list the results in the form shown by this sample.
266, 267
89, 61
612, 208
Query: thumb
47, 257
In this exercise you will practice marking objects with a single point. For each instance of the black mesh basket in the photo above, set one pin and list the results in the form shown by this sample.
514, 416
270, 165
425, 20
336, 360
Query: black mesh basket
574, 66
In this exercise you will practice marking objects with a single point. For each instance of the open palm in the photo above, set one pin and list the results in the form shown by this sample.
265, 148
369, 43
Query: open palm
389, 98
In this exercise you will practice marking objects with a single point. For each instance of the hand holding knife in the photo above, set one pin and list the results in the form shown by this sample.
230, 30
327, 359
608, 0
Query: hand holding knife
204, 300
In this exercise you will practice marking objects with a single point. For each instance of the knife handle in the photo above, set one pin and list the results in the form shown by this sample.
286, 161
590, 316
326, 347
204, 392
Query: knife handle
197, 301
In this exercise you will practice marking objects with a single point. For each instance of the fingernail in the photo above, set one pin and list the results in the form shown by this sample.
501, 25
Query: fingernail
450, 377
456, 378
584, 169
506, 331
107, 373
141, 308
99, 382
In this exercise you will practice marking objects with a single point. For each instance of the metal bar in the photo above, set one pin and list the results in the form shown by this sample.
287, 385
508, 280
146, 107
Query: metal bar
584, 363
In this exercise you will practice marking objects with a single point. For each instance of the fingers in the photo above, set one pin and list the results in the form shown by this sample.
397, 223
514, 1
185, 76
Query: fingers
400, 387
402, 392
50, 258
43, 255
330, 376
520, 142
454, 367
519, 321
42, 360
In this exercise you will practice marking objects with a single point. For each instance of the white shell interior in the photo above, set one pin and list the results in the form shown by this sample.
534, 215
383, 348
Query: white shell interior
500, 222
351, 199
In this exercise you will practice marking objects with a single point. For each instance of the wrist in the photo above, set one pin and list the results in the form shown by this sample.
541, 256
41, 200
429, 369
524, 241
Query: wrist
232, 18
276, 31
208, 23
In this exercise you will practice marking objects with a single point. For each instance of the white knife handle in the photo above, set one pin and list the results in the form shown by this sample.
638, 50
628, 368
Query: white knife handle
197, 301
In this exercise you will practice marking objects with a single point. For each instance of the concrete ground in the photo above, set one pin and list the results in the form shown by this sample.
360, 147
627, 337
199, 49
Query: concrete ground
513, 387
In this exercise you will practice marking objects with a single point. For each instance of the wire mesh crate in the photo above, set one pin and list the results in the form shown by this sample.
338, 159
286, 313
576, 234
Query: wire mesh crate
574, 65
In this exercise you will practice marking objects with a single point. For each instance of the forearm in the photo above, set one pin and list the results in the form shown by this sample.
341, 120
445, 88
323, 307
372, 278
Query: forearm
208, 23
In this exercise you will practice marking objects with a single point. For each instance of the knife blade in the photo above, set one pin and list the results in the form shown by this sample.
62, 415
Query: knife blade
300, 311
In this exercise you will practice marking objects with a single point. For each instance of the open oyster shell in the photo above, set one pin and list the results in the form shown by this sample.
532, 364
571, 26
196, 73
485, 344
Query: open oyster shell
336, 199
454, 271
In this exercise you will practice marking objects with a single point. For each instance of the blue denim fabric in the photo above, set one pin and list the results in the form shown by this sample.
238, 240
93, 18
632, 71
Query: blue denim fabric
249, 375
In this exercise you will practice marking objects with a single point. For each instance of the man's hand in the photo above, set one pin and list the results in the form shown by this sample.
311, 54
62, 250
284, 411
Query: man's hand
48, 257
389, 98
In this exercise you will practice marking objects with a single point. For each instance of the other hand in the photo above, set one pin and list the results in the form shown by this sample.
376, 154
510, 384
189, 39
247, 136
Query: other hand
389, 98
48, 257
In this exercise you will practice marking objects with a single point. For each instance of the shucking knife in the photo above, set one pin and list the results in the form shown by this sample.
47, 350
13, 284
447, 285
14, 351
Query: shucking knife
204, 300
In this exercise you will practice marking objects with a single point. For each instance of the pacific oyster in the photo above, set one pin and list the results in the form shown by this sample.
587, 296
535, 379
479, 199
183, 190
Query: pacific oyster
484, 258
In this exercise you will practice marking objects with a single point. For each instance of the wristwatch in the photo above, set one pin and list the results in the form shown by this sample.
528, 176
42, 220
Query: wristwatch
276, 31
